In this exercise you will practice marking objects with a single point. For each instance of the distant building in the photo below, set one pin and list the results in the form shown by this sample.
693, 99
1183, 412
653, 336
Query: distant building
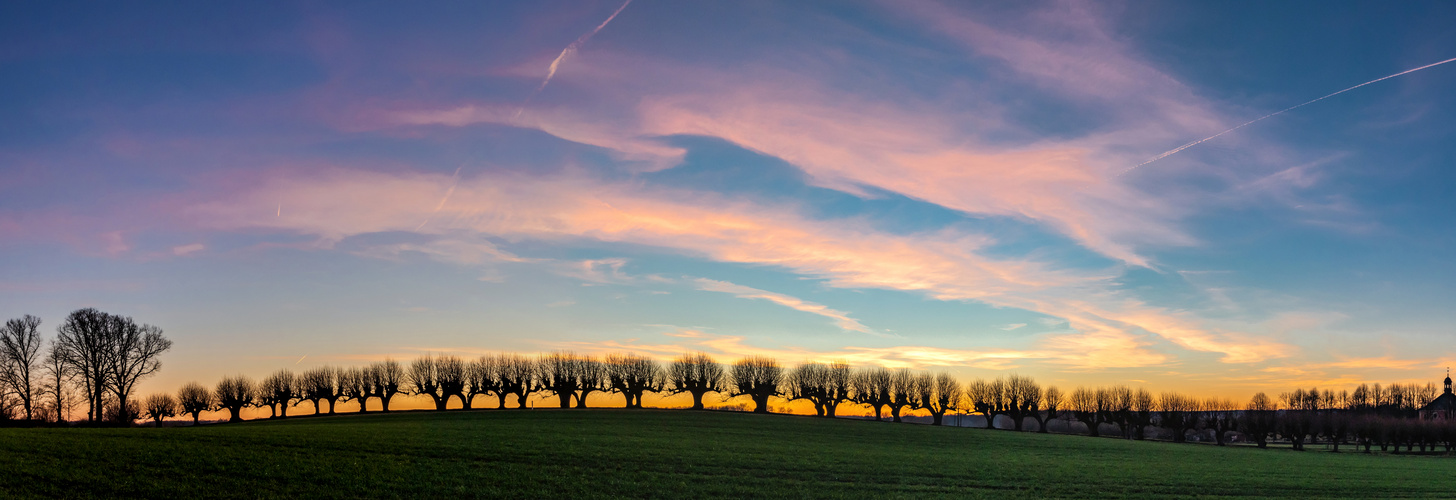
1444, 406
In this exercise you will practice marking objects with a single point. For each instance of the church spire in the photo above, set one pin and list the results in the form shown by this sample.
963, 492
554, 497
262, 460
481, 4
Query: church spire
1448, 380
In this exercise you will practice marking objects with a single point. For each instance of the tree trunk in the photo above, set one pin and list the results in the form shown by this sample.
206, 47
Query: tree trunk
235, 414
877, 411
520, 400
440, 402
937, 418
698, 399
565, 398
830, 408
1092, 429
502, 397
194, 417
990, 420
385, 401
331, 406
1017, 421
465, 401
760, 403
316, 406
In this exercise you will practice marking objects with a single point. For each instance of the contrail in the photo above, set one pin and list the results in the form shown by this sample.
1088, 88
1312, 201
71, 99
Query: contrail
454, 181
1282, 111
569, 50
300, 360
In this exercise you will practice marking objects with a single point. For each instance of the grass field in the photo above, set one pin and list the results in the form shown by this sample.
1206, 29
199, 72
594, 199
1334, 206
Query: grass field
657, 453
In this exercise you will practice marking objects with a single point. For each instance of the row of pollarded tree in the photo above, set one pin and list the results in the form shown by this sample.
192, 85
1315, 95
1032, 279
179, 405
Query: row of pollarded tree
99, 355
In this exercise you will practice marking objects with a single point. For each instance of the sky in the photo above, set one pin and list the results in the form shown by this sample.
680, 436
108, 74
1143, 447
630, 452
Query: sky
942, 186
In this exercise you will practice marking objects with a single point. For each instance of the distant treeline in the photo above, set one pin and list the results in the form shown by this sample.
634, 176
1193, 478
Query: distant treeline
101, 356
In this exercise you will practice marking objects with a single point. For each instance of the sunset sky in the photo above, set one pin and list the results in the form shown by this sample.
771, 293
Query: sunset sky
935, 185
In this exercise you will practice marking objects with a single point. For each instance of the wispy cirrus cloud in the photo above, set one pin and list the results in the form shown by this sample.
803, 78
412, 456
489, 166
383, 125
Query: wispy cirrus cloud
841, 318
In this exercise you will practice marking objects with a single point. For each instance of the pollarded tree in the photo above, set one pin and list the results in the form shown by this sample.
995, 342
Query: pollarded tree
519, 375
1221, 417
193, 399
988, 399
1051, 402
354, 385
841, 387
483, 375
277, 391
902, 386
826, 386
387, 379
319, 385
1178, 413
20, 358
1023, 399
872, 388
631, 376
561, 375
1261, 418
593, 378
1143, 406
757, 377
160, 406
1086, 408
938, 396
234, 394
1119, 411
454, 379
696, 374
424, 380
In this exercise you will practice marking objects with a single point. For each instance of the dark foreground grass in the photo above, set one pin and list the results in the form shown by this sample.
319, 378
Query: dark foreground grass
647, 453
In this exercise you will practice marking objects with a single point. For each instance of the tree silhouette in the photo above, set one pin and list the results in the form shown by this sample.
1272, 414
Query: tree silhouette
631, 376
561, 375
1260, 419
483, 377
1087, 408
276, 392
1178, 414
872, 388
58, 377
696, 374
160, 406
133, 356
519, 375
1119, 409
988, 399
938, 396
355, 385
902, 387
757, 377
593, 378
1221, 417
20, 344
319, 385
1143, 406
809, 381
387, 379
233, 394
424, 380
1023, 399
1052, 402
84, 342
840, 387
193, 399
454, 379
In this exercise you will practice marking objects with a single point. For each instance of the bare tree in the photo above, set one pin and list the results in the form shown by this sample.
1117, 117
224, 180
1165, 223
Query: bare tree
1023, 399
276, 392
424, 380
1299, 419
483, 375
319, 385
193, 399
872, 388
519, 375
1087, 408
988, 399
84, 342
902, 386
1119, 411
1221, 416
757, 377
160, 406
1143, 406
387, 379
1051, 402
592, 378
134, 356
939, 395
808, 381
697, 374
355, 385
20, 343
1177, 413
59, 376
1260, 419
454, 379
631, 376
233, 394
561, 375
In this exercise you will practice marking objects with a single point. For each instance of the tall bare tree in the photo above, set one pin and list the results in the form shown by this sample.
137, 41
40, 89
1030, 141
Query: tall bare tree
696, 374
1143, 406
159, 406
134, 356
1221, 417
454, 379
355, 384
1087, 408
1178, 414
1261, 418
85, 343
59, 376
1051, 403
632, 376
520, 376
808, 381
193, 399
902, 386
1023, 399
234, 394
757, 377
872, 388
1119, 411
987, 398
20, 358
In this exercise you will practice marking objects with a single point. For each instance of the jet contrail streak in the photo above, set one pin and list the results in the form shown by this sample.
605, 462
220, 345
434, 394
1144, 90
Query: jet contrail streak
569, 50
1282, 111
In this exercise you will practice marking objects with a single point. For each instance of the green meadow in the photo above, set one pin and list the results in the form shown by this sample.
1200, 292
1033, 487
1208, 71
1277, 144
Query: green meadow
668, 453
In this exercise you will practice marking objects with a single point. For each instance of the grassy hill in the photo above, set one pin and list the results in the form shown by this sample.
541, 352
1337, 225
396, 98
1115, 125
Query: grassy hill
657, 453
